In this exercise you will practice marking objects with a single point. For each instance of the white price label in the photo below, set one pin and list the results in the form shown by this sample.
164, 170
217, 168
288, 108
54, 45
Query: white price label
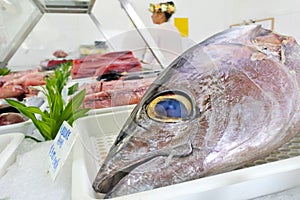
61, 148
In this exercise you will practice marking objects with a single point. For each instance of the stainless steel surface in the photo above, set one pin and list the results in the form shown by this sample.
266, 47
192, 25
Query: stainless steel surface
39, 5
68, 6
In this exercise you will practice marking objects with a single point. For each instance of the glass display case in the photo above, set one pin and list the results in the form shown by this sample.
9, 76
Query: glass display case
132, 28
19, 19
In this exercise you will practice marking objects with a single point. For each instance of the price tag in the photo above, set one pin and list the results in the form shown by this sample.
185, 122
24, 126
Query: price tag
61, 148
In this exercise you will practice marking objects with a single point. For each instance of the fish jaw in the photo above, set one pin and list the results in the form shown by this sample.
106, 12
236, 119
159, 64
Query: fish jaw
148, 176
140, 149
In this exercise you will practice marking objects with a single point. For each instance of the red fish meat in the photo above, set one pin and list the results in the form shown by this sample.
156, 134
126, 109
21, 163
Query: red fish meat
116, 93
16, 84
11, 118
99, 64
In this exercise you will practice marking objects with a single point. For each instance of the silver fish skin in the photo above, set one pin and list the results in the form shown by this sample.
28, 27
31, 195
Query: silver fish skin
227, 101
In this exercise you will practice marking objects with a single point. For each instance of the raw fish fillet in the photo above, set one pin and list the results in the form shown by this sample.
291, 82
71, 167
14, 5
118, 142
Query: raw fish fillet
16, 84
115, 93
99, 64
11, 118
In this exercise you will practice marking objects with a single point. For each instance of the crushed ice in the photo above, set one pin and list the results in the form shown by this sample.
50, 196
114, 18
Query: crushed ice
28, 177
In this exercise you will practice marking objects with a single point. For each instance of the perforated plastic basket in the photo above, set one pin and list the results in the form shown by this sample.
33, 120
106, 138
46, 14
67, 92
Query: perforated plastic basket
277, 172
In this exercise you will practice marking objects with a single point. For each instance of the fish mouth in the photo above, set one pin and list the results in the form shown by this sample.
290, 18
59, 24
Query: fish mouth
109, 181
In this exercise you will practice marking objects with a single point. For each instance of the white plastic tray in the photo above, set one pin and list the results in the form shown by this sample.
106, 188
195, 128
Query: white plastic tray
23, 127
98, 132
111, 109
8, 145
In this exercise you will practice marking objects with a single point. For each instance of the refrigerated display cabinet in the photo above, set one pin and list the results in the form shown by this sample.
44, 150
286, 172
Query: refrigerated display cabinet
18, 21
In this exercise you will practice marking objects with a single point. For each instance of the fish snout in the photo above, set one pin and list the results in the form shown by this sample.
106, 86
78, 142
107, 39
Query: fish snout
115, 170
107, 181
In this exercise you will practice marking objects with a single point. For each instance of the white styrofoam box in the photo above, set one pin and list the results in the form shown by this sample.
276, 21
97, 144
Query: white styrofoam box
111, 109
97, 133
25, 127
8, 145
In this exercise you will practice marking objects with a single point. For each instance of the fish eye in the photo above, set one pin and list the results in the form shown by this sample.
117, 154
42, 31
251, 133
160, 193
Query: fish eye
169, 107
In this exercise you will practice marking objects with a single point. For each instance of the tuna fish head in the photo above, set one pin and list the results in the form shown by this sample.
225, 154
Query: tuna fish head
216, 107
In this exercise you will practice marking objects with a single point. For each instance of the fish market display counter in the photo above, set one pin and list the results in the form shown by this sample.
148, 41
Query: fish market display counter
24, 168
27, 177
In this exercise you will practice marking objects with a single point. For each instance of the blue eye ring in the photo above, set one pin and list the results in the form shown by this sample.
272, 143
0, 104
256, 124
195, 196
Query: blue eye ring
169, 107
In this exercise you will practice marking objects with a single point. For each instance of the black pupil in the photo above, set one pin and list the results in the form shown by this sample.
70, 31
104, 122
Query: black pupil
171, 108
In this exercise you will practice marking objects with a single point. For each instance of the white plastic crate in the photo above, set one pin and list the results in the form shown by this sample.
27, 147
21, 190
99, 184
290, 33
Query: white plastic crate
277, 172
111, 109
23, 127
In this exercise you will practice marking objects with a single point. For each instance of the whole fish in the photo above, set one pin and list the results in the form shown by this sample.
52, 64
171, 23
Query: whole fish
227, 101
